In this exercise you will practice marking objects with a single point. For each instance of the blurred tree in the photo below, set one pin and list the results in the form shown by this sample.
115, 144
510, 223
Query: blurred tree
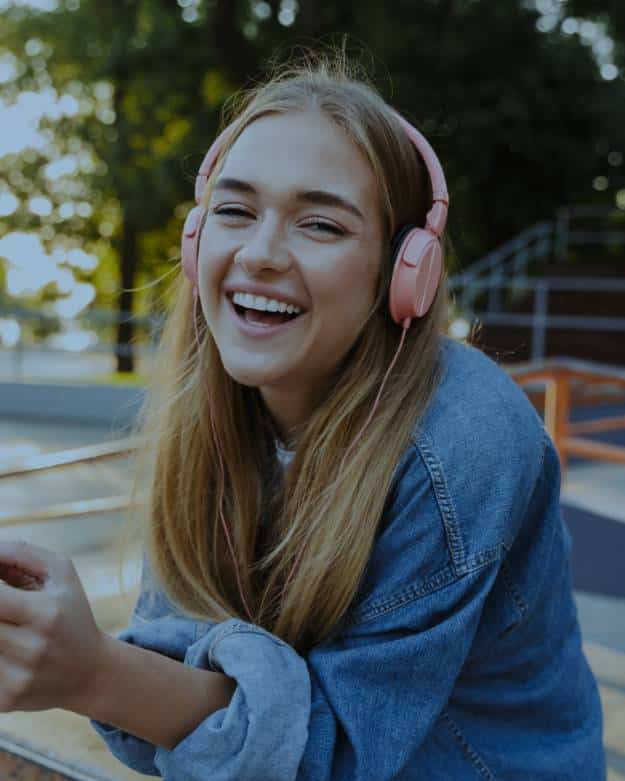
611, 12
515, 114
608, 137
150, 78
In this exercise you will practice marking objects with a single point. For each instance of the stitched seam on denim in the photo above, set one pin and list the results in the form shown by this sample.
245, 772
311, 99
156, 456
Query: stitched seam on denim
402, 596
513, 589
242, 629
444, 501
383, 605
200, 629
226, 630
539, 471
477, 560
468, 750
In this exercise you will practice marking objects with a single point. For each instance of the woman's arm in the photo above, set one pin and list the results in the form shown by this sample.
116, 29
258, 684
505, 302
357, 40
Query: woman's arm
150, 695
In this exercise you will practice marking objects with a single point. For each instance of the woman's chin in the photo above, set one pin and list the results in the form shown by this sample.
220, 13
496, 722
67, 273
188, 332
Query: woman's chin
245, 375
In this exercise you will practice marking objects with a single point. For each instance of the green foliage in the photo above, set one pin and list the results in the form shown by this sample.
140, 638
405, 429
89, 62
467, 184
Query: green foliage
521, 119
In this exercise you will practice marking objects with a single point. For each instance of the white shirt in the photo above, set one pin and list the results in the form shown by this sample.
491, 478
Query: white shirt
285, 456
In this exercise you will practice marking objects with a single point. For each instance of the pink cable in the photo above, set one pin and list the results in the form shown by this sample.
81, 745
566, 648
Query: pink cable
405, 326
221, 466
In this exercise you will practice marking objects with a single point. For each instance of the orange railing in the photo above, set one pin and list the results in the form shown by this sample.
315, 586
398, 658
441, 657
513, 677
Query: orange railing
570, 383
567, 382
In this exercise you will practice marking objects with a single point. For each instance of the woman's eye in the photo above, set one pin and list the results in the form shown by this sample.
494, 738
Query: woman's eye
318, 226
231, 211
325, 226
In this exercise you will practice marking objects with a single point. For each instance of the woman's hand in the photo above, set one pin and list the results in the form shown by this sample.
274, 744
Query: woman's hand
49, 640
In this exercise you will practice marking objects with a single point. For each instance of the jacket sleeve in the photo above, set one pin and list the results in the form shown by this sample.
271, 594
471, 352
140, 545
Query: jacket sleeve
360, 705
258, 736
379, 689
333, 716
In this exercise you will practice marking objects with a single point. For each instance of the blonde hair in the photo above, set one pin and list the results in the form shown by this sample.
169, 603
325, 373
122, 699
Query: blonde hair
179, 471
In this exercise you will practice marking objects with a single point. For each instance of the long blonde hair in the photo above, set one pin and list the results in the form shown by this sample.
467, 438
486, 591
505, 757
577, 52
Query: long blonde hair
269, 516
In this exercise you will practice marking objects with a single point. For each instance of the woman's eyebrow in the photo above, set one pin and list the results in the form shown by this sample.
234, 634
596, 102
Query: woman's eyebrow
322, 197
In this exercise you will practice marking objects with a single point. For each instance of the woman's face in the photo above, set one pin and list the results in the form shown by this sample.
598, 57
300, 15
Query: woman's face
294, 210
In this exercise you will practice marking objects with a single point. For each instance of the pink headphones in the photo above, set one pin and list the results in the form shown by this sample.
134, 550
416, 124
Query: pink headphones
417, 253
417, 266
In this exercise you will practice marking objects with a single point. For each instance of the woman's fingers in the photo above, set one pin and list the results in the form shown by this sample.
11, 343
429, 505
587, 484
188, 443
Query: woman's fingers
16, 606
16, 576
27, 569
18, 644
23, 564
48, 634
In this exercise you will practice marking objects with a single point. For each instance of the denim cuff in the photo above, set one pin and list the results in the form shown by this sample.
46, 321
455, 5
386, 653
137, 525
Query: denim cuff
263, 731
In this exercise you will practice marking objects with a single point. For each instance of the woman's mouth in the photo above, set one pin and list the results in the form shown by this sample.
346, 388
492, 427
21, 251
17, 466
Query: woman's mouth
254, 322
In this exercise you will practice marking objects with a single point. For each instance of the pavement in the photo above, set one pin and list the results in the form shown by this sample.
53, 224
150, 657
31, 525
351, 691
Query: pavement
593, 507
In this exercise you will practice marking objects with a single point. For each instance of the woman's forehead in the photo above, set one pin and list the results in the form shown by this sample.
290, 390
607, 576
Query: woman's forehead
298, 151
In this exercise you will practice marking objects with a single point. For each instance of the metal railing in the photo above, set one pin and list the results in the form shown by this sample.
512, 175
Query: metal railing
565, 237
146, 334
506, 269
62, 459
20, 760
555, 385
36, 759
539, 320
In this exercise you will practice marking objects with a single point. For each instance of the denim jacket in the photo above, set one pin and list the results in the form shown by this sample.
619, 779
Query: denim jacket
461, 656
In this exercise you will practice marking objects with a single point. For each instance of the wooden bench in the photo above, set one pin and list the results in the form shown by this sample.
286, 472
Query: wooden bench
568, 383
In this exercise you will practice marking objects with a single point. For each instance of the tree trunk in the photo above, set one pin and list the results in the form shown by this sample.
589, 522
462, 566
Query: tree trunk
127, 242
234, 52
128, 264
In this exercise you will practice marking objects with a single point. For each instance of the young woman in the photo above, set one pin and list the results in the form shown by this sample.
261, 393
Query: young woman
355, 563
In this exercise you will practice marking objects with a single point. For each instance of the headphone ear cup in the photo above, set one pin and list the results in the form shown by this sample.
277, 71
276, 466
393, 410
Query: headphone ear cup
417, 269
189, 244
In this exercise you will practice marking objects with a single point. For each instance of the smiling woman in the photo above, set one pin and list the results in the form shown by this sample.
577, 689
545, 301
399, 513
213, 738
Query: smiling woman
355, 564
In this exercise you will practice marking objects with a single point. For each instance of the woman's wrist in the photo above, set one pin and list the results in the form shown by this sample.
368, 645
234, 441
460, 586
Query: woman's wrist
150, 695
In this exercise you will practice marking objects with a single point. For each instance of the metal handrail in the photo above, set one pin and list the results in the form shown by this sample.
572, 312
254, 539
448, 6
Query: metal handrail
63, 459
504, 252
56, 512
78, 455
505, 267
46, 763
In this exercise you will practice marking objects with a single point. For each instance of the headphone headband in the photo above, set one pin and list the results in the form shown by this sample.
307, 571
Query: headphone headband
437, 216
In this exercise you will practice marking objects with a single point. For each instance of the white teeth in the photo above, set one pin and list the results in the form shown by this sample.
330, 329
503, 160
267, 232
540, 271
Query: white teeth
263, 304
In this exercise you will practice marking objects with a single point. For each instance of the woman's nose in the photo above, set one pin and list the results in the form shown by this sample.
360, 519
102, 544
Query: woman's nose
264, 247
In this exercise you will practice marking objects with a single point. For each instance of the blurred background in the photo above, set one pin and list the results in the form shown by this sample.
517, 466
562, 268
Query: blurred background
106, 111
